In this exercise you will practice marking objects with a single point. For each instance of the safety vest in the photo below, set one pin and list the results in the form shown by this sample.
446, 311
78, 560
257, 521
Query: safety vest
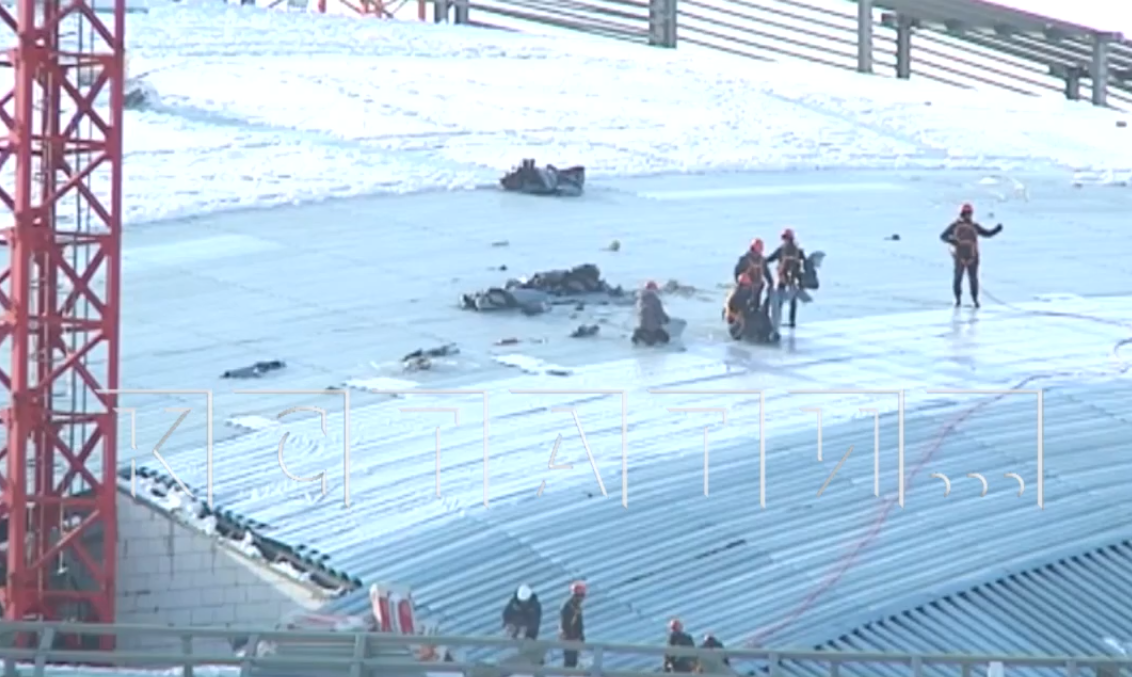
966, 241
755, 265
789, 263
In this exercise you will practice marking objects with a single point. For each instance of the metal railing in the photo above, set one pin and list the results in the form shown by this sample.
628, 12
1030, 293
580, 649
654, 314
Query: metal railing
823, 32
324, 654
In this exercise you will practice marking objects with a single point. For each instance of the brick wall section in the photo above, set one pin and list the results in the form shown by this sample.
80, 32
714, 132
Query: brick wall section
171, 574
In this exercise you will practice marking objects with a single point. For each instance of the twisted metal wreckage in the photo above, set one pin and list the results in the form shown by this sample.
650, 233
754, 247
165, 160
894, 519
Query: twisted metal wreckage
583, 285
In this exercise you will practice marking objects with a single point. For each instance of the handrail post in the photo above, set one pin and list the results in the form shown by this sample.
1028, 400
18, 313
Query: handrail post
903, 46
865, 36
361, 648
662, 23
46, 641
187, 651
251, 649
775, 670
599, 656
1098, 69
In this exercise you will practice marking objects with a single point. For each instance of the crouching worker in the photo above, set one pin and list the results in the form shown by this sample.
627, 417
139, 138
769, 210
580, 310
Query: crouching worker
651, 318
746, 315
522, 616
678, 638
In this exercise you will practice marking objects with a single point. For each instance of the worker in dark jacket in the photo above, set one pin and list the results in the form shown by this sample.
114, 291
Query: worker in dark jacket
790, 259
963, 236
571, 626
523, 614
710, 642
677, 637
741, 306
754, 265
651, 318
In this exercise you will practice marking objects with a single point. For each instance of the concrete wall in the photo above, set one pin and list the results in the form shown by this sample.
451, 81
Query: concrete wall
170, 574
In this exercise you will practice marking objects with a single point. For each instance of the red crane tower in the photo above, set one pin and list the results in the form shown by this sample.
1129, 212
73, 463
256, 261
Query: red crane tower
61, 179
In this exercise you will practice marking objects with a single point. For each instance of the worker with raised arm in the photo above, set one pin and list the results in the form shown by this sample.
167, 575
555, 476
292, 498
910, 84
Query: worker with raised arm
963, 236
790, 258
571, 626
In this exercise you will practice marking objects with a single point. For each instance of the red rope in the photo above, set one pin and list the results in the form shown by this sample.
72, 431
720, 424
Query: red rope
849, 559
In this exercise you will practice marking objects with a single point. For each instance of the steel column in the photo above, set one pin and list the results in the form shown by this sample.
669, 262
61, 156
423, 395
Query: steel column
60, 298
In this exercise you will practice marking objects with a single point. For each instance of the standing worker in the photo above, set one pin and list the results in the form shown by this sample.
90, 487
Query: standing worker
963, 236
571, 627
712, 664
523, 614
677, 637
791, 259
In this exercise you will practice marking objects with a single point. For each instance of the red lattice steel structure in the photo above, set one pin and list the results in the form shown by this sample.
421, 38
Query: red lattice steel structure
61, 182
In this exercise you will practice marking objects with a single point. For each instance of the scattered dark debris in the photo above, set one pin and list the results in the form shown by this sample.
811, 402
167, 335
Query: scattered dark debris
585, 331
507, 342
533, 296
555, 371
614, 246
501, 243
254, 371
674, 287
421, 359
895, 237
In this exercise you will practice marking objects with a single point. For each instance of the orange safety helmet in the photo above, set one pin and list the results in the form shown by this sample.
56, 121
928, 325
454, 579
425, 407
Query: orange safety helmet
675, 625
788, 235
966, 209
578, 588
651, 286
757, 246
744, 279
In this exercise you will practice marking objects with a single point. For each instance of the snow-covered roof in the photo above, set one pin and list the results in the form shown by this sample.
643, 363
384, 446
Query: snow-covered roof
335, 287
314, 120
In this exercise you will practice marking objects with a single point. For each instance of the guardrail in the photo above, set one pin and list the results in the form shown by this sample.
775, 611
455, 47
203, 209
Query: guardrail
324, 654
824, 32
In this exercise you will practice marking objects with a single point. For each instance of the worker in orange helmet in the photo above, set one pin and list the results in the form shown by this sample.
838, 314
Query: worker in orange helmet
753, 263
651, 318
677, 637
963, 235
571, 625
790, 258
741, 306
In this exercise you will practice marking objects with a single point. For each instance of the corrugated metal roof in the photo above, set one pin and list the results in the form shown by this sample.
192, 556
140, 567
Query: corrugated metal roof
718, 561
1076, 605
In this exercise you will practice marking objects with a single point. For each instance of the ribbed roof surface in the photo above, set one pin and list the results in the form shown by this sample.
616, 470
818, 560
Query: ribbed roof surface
718, 561
1076, 605
819, 566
